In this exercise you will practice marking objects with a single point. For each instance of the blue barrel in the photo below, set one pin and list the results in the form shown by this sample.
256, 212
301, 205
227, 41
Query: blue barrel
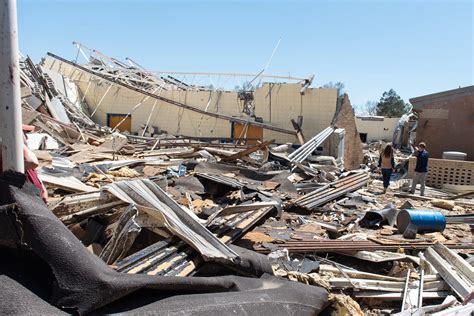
424, 220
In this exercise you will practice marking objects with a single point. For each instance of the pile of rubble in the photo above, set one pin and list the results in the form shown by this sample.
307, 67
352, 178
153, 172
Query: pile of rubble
168, 206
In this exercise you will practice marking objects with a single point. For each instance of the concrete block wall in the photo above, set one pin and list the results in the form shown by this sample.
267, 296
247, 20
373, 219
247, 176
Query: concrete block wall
445, 171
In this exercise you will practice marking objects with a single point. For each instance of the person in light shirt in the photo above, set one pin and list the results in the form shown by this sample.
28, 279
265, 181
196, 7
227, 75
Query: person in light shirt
387, 164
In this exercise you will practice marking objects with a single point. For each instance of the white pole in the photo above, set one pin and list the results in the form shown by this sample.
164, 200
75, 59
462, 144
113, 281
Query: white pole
10, 95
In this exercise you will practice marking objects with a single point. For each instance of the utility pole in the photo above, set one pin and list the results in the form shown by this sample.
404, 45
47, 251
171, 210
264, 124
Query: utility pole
10, 94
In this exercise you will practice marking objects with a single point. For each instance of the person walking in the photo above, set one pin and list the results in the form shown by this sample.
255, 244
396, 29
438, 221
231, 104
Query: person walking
387, 164
421, 168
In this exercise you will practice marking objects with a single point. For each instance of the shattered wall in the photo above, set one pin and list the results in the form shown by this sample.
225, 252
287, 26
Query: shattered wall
345, 118
277, 104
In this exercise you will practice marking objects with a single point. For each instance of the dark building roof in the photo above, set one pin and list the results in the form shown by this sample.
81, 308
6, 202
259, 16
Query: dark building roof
420, 102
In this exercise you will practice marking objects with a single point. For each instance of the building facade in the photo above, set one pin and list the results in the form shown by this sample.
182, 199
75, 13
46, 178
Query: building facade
446, 121
374, 128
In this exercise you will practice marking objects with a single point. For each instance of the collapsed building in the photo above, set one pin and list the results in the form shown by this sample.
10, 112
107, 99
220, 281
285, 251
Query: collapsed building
199, 215
137, 101
264, 112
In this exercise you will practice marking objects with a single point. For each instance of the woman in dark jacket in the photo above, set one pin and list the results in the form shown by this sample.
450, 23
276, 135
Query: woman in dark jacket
387, 164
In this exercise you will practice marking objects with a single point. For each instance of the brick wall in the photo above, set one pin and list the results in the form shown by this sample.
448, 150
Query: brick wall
344, 118
446, 122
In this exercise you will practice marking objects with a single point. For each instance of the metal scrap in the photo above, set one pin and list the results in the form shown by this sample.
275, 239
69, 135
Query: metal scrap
153, 200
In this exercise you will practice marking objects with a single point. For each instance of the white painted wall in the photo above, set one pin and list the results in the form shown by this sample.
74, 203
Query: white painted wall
377, 127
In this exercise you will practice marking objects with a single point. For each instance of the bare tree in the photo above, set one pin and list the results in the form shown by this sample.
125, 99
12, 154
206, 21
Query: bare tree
370, 107
335, 85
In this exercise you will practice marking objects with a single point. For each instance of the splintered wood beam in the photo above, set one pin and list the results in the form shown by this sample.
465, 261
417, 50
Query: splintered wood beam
299, 132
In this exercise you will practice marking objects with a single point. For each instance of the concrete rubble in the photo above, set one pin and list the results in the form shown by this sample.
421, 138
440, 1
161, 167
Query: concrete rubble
166, 205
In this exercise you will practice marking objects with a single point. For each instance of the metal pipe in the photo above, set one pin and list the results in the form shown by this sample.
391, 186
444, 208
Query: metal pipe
161, 72
10, 94
333, 195
351, 246
347, 182
405, 291
78, 45
100, 101
352, 184
304, 152
420, 287
314, 144
306, 149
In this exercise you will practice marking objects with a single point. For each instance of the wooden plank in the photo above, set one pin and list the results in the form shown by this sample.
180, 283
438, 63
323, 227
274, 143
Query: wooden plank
427, 198
358, 274
461, 265
460, 195
380, 285
73, 203
75, 217
397, 296
458, 285
299, 132
248, 151
68, 183
29, 116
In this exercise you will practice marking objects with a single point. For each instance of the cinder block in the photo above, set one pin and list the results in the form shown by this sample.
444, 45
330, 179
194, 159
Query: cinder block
444, 171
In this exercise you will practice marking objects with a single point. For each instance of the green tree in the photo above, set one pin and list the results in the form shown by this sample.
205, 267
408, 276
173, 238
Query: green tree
392, 105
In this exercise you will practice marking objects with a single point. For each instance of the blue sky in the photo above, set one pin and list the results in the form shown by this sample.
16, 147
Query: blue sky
414, 47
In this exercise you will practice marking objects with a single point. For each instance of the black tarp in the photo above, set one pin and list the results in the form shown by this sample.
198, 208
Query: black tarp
45, 267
